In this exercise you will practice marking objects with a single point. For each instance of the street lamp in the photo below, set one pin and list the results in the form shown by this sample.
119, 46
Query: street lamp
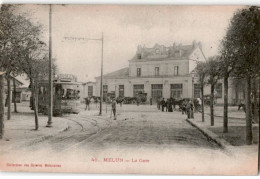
50, 72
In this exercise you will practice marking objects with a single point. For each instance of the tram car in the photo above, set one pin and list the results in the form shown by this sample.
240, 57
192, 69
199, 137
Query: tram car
66, 95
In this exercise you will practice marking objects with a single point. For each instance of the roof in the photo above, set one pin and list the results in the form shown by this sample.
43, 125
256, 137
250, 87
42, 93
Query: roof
161, 52
122, 73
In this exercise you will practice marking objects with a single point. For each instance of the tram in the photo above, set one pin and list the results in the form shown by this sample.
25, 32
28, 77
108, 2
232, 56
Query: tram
66, 95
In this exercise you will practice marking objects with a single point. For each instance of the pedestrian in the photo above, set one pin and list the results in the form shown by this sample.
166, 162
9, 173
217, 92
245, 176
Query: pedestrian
159, 103
151, 101
188, 106
163, 104
170, 105
167, 103
87, 101
113, 105
121, 101
174, 103
192, 108
189, 109
183, 106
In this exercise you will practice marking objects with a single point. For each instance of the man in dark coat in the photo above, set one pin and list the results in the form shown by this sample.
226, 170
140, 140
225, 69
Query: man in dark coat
163, 103
170, 105
87, 101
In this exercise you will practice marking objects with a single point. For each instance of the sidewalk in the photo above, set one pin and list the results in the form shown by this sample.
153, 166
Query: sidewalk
236, 131
232, 112
19, 131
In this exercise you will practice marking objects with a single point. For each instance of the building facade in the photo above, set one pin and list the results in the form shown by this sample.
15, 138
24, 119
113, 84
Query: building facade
159, 71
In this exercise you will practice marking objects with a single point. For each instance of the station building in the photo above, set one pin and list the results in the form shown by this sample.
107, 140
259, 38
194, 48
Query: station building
159, 71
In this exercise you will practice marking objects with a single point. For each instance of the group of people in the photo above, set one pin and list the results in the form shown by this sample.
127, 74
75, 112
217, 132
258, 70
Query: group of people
168, 105
187, 106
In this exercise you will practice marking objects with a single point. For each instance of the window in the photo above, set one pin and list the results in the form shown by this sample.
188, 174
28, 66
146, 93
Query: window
219, 90
138, 71
90, 91
138, 89
121, 91
196, 90
156, 71
176, 70
157, 91
176, 91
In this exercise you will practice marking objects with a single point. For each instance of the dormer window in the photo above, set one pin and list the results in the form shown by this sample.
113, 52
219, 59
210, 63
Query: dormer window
139, 56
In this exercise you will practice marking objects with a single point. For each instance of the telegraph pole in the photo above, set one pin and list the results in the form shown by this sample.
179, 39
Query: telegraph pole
101, 77
50, 114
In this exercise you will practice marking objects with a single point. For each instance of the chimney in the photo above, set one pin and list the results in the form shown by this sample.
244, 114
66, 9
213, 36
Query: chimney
180, 52
194, 43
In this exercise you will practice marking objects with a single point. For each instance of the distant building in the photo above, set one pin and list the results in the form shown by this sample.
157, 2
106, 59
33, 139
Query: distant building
18, 83
89, 89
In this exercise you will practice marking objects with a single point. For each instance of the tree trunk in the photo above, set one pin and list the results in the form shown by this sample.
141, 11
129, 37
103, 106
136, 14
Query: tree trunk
14, 96
255, 110
236, 94
2, 107
225, 115
8, 97
249, 135
35, 104
212, 104
259, 100
202, 102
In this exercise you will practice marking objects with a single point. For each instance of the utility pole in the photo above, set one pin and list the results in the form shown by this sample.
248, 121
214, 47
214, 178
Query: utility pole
50, 114
102, 52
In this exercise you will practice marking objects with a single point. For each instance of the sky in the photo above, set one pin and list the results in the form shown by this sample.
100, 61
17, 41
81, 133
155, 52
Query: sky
124, 28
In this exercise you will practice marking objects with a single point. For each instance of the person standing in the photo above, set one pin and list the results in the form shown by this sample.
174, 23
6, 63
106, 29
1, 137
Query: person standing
113, 105
184, 107
192, 107
87, 103
170, 105
163, 104
189, 108
158, 103
151, 101
167, 103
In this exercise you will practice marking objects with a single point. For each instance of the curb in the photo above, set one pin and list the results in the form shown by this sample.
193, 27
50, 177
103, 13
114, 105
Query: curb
212, 136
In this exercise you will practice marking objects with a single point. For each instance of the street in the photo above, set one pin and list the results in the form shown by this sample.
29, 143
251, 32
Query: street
141, 136
136, 126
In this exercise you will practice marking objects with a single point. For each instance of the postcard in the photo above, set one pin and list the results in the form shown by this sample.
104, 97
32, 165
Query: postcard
129, 89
